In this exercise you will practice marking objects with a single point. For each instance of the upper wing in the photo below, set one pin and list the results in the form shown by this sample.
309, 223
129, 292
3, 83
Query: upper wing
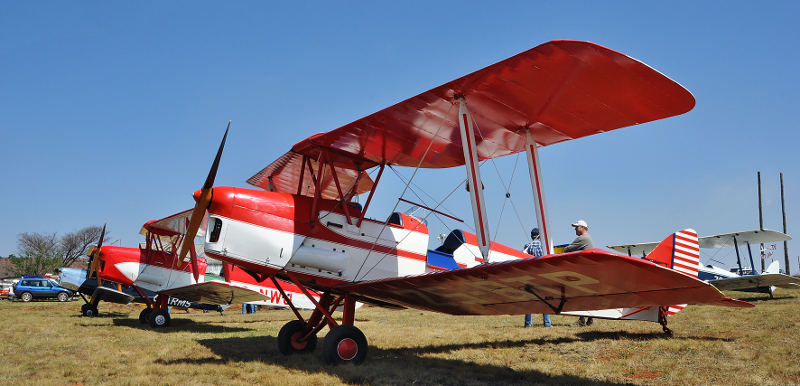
215, 292
724, 240
173, 225
748, 281
586, 280
756, 236
561, 90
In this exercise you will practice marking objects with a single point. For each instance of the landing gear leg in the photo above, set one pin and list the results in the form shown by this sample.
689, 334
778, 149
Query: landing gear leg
662, 320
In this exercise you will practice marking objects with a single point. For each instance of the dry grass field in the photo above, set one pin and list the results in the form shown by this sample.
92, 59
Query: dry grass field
48, 343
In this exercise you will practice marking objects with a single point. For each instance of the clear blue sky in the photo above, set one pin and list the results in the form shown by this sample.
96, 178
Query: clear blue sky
111, 111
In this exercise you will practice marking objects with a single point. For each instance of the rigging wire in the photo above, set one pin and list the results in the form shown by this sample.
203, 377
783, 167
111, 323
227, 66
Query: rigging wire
386, 222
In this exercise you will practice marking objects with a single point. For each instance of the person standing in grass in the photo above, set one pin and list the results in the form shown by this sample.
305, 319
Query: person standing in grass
583, 241
535, 248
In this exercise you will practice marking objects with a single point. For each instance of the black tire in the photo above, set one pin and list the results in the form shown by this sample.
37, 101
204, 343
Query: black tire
89, 310
288, 342
344, 344
159, 319
62, 296
26, 297
144, 316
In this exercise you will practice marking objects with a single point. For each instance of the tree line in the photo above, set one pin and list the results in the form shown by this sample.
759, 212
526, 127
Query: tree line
41, 253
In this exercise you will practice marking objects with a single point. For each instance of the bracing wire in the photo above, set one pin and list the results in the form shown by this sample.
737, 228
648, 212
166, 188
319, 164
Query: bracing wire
386, 222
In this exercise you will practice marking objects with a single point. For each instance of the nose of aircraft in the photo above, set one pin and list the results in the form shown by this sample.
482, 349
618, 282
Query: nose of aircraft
197, 194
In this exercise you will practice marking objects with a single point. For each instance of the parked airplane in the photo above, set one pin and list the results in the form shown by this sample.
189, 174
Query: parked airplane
750, 281
305, 228
150, 275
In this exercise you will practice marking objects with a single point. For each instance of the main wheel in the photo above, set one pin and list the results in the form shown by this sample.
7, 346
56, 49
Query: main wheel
26, 297
159, 318
289, 338
89, 310
344, 344
62, 297
145, 315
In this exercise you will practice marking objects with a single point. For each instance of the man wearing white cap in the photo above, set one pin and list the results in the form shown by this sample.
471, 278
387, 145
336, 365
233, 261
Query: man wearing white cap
583, 241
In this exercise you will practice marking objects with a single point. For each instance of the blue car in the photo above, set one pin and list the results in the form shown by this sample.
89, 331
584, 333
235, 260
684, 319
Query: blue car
28, 288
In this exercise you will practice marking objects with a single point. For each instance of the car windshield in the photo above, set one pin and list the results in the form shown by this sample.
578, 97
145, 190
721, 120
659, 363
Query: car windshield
52, 283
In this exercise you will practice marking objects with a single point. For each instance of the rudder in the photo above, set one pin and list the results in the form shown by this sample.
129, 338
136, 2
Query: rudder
680, 251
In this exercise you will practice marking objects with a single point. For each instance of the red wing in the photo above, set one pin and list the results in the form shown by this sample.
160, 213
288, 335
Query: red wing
173, 225
586, 280
215, 292
562, 90
285, 176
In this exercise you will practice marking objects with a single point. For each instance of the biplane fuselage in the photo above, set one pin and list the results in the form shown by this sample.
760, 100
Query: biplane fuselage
268, 231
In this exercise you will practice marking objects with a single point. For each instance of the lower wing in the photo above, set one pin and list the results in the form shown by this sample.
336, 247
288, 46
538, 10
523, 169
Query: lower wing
215, 292
765, 280
586, 280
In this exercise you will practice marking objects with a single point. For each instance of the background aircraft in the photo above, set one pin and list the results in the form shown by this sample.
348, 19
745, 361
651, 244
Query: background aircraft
150, 275
723, 279
305, 228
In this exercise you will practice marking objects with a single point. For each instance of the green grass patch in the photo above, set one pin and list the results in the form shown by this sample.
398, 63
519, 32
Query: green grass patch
49, 343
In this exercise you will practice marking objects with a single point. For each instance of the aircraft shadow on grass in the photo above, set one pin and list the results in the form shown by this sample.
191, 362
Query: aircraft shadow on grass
404, 361
180, 325
764, 298
103, 315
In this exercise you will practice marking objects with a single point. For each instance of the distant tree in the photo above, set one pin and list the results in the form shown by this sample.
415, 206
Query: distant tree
35, 265
73, 245
41, 253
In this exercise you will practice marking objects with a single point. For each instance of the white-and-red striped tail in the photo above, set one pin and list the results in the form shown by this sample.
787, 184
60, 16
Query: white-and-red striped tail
686, 252
679, 251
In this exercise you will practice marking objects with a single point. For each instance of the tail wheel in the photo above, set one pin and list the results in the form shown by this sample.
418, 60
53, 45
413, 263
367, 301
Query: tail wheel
159, 319
344, 344
145, 315
289, 338
62, 297
26, 297
89, 310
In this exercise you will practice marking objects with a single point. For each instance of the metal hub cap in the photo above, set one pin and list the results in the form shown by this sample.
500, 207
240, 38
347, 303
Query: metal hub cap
347, 349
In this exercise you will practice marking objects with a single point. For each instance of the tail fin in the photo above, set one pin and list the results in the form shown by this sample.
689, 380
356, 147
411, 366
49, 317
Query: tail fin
773, 267
680, 251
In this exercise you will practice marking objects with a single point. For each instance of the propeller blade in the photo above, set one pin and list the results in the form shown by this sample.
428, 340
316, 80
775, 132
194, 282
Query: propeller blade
202, 204
94, 263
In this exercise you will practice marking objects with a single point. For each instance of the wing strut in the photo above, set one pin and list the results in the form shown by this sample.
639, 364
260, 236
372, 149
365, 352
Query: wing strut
538, 191
474, 177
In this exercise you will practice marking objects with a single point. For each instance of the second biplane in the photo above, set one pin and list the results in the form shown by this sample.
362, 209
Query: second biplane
305, 228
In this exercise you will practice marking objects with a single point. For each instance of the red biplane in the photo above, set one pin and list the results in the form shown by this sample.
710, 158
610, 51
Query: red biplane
151, 274
305, 228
